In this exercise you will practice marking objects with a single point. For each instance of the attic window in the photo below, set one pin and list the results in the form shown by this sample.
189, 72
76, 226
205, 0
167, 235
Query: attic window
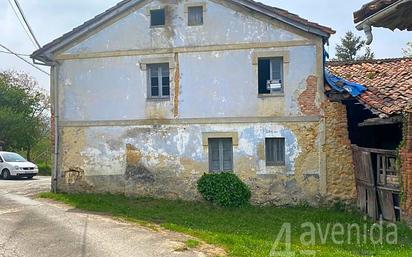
157, 17
270, 75
195, 15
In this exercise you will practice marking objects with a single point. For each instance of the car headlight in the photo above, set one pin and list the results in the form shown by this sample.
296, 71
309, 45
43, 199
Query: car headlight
16, 167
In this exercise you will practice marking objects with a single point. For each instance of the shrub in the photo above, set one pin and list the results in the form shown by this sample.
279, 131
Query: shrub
225, 189
44, 169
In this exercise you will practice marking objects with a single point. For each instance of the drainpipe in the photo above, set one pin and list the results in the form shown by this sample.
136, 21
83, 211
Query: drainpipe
366, 25
55, 90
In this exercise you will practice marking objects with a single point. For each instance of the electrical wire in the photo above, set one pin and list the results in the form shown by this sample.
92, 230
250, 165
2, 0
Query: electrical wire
24, 60
27, 23
6, 52
22, 24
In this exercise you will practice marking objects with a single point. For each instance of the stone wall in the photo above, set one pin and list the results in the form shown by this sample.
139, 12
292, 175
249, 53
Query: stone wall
406, 168
340, 174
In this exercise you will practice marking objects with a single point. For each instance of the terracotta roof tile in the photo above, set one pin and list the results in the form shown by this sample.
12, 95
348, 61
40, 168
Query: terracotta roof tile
389, 82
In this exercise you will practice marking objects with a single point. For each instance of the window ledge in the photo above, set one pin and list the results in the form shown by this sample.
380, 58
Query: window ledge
158, 27
157, 99
271, 95
275, 165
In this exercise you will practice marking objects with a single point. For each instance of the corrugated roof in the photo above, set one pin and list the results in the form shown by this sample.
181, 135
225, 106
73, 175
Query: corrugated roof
389, 82
120, 8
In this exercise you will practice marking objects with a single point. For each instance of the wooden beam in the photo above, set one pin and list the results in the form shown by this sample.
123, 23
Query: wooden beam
380, 122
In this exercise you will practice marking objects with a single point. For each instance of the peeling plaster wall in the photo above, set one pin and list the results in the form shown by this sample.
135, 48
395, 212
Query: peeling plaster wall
167, 160
103, 98
222, 25
116, 88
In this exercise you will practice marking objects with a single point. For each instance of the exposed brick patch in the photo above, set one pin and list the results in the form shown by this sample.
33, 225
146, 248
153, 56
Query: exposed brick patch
307, 99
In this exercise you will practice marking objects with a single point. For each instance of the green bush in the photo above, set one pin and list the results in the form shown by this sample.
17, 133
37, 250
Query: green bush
225, 189
44, 169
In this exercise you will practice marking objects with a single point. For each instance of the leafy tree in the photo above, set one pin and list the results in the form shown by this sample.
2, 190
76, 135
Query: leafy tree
350, 46
23, 112
407, 51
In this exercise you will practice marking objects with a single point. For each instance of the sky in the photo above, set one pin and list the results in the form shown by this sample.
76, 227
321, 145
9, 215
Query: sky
52, 18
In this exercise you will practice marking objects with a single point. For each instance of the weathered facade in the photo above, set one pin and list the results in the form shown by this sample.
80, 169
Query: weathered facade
112, 136
380, 129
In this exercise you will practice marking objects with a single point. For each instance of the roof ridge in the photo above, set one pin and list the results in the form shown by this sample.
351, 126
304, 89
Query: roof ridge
382, 60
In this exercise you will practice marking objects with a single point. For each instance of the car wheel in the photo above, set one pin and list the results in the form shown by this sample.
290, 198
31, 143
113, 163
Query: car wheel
5, 174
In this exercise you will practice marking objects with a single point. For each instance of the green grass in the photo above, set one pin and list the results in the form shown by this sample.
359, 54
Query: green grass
191, 243
247, 231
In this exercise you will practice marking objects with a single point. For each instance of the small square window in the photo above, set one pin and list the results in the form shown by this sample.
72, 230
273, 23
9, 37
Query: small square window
158, 80
157, 17
275, 151
270, 75
195, 15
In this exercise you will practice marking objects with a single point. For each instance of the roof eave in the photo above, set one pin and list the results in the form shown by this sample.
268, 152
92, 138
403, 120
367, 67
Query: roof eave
270, 13
46, 52
367, 23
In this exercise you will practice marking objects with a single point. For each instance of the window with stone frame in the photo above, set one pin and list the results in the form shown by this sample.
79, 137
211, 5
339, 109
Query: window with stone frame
275, 151
195, 15
270, 75
157, 17
158, 80
220, 154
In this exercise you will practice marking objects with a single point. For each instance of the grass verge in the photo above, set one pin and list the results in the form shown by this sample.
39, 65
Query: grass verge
247, 231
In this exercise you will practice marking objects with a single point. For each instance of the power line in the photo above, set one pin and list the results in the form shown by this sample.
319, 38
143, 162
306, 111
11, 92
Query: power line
27, 23
22, 24
6, 52
24, 60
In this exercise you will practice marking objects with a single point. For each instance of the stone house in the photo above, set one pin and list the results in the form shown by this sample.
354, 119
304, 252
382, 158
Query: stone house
380, 128
149, 95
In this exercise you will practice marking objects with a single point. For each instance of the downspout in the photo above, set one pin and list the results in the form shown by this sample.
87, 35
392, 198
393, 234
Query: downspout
322, 133
55, 90
366, 25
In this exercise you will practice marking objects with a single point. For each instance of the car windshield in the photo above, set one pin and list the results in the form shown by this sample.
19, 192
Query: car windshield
12, 157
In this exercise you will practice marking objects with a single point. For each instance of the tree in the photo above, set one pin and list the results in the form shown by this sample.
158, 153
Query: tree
368, 55
23, 112
350, 46
407, 51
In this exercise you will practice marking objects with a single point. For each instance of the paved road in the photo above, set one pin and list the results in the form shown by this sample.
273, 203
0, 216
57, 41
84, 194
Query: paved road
30, 227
